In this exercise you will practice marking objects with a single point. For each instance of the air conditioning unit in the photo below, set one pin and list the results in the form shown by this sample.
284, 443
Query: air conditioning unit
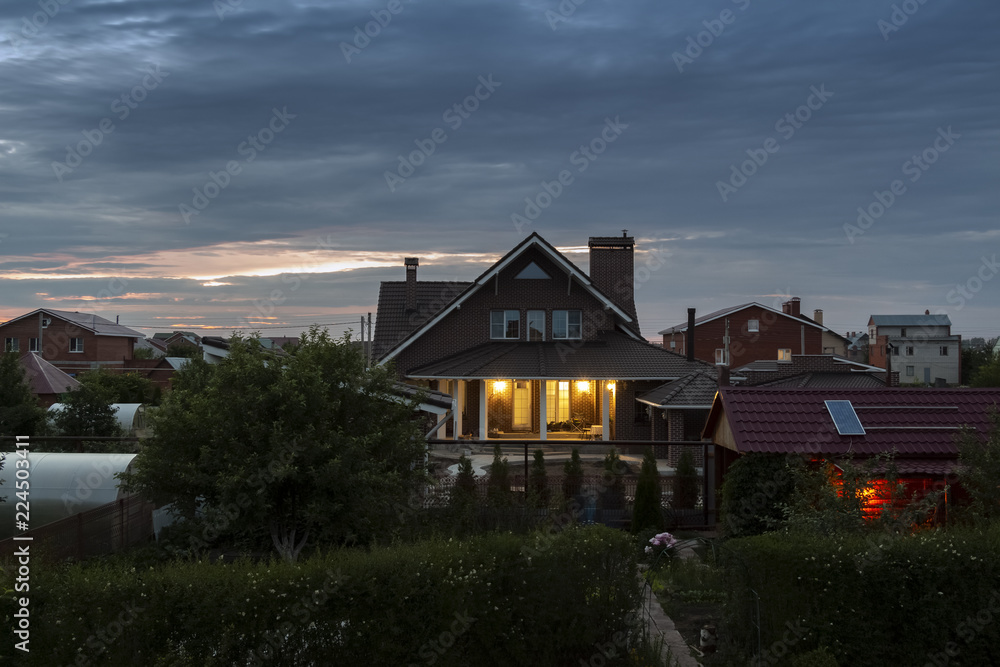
46, 321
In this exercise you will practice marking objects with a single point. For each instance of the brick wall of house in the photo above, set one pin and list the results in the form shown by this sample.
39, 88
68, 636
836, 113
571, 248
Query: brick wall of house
777, 331
470, 325
97, 350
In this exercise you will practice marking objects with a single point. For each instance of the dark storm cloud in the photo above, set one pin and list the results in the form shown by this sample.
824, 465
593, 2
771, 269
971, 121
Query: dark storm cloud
209, 86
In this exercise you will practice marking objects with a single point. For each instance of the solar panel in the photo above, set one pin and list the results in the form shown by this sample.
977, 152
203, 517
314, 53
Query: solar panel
845, 418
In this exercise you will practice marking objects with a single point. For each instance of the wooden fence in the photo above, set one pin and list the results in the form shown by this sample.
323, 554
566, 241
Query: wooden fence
103, 530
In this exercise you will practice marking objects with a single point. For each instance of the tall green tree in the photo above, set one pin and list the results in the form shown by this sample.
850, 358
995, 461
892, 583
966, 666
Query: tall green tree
612, 495
539, 481
311, 448
20, 413
498, 483
647, 512
979, 470
572, 475
123, 387
685, 482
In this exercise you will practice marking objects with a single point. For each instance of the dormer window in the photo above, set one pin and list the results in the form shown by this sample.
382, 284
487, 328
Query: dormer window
567, 324
505, 324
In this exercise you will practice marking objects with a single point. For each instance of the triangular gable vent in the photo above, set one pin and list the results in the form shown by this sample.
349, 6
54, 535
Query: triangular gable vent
532, 271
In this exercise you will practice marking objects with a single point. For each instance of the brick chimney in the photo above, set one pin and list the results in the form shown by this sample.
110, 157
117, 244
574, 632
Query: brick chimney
612, 269
791, 307
411, 283
690, 335
818, 316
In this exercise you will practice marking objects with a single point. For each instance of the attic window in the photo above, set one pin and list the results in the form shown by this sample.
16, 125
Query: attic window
532, 271
753, 326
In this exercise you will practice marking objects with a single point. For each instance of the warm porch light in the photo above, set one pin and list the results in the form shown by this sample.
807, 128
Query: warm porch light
583, 386
499, 386
611, 386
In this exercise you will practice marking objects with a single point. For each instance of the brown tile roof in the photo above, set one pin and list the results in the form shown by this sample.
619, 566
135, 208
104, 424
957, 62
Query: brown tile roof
911, 422
88, 321
693, 390
44, 378
394, 323
612, 356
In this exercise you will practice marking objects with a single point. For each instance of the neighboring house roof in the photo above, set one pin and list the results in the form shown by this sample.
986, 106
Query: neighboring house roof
912, 422
93, 323
395, 324
695, 390
831, 380
680, 328
177, 363
910, 321
44, 378
150, 344
396, 309
612, 355
767, 365
436, 402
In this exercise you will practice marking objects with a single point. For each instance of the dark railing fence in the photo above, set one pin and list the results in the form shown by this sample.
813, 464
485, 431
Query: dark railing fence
591, 487
103, 530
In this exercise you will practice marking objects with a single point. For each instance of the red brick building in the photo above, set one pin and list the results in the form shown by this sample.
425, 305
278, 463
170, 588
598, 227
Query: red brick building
70, 341
755, 332
533, 347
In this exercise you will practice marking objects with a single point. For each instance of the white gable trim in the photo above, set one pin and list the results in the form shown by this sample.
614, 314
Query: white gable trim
533, 240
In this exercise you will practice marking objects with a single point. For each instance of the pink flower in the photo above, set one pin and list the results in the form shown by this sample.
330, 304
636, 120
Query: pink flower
663, 540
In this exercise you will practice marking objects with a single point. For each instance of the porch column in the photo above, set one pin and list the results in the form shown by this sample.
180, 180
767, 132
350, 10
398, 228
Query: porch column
440, 418
605, 411
542, 412
456, 415
459, 386
482, 410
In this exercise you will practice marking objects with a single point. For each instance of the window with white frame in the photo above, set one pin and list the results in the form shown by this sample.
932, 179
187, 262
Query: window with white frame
567, 324
33, 345
721, 358
76, 345
11, 344
785, 354
536, 325
753, 326
505, 324
909, 371
944, 350
556, 401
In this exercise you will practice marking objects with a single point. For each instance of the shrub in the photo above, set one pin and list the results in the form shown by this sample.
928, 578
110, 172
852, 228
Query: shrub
685, 482
498, 484
572, 476
612, 494
647, 512
485, 601
539, 481
755, 488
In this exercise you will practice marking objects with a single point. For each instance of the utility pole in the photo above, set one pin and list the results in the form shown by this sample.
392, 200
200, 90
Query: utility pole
371, 340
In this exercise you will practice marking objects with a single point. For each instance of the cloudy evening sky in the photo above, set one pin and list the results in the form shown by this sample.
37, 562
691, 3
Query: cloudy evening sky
117, 114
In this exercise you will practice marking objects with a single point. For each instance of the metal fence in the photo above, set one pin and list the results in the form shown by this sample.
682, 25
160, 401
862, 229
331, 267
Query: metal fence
102, 530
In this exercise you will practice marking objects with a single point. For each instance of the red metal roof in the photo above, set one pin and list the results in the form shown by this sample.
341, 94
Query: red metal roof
911, 422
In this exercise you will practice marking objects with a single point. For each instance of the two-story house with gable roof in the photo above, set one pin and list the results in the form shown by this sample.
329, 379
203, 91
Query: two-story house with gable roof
533, 347
70, 341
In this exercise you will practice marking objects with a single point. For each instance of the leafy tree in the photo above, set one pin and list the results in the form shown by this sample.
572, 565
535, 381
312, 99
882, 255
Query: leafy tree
123, 387
987, 375
979, 470
539, 481
87, 411
184, 350
311, 447
145, 353
572, 475
685, 482
754, 490
498, 484
647, 512
20, 413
